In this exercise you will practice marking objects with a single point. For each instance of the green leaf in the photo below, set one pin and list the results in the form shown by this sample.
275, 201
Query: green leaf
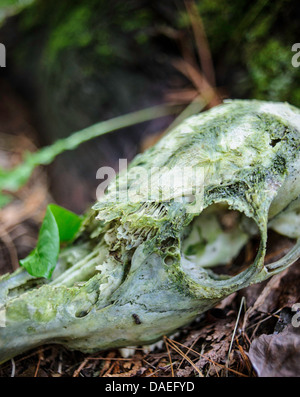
42, 260
68, 223
59, 225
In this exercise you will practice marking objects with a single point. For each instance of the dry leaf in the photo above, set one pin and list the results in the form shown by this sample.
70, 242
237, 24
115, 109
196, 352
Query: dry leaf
277, 355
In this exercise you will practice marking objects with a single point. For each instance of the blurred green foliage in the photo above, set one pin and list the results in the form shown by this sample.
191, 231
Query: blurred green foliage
250, 40
253, 40
11, 7
94, 25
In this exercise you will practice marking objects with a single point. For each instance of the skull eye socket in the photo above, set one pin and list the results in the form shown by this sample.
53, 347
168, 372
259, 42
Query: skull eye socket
225, 247
219, 238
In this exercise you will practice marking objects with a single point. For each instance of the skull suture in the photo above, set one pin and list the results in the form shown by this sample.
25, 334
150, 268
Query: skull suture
141, 268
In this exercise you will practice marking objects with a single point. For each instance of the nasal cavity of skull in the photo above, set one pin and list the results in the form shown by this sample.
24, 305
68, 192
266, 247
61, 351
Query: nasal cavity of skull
222, 239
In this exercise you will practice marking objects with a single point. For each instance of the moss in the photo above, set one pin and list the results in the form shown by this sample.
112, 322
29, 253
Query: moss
45, 314
18, 311
271, 71
30, 330
72, 32
252, 43
103, 29
279, 165
217, 16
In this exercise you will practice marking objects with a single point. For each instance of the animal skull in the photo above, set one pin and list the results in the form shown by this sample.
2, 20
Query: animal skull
142, 265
